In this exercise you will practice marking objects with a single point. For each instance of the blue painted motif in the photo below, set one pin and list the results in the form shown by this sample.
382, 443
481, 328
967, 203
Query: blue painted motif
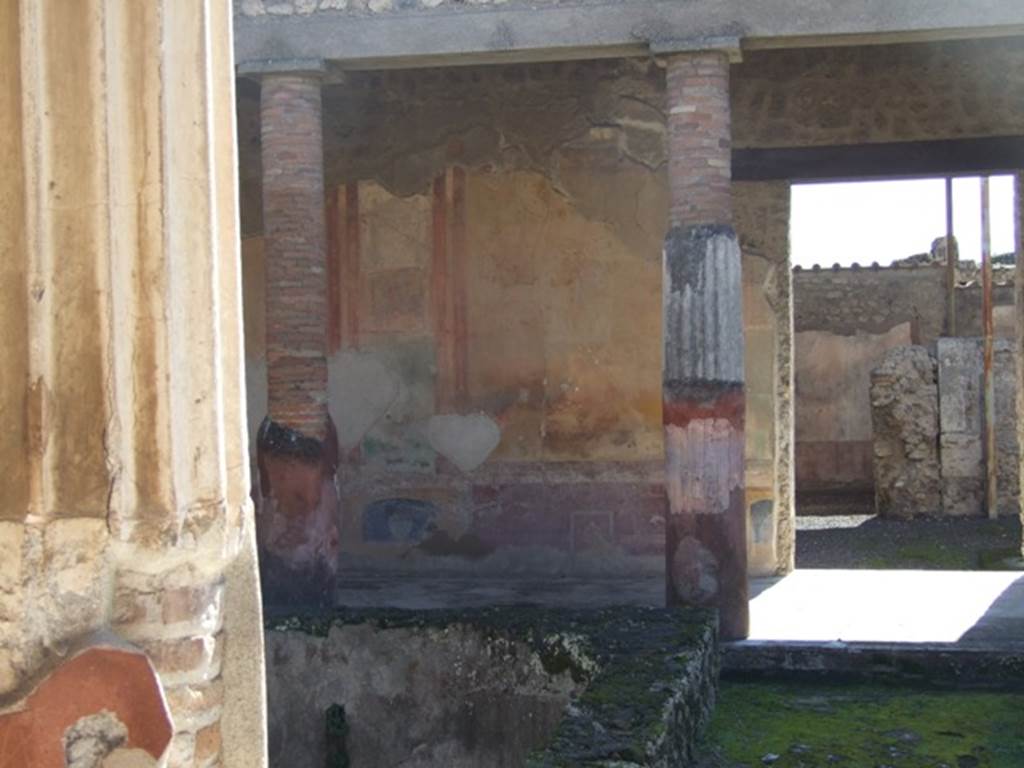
398, 519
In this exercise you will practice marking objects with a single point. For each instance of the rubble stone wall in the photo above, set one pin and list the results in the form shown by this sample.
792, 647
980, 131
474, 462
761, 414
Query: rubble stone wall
962, 421
846, 320
928, 418
905, 420
865, 94
846, 301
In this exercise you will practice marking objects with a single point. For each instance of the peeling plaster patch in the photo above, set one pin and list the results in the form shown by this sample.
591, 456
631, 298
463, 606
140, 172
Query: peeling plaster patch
466, 441
129, 758
364, 389
92, 738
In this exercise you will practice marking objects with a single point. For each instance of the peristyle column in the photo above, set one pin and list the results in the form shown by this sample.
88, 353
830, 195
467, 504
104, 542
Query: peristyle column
296, 446
702, 380
125, 518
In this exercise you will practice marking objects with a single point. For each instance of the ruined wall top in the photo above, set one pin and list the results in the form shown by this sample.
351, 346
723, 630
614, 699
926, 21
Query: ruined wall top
402, 33
875, 299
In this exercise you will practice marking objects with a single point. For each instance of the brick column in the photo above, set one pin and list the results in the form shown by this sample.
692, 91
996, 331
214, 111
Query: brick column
296, 445
702, 385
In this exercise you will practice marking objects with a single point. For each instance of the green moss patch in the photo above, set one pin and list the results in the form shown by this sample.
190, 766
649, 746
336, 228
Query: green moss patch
862, 726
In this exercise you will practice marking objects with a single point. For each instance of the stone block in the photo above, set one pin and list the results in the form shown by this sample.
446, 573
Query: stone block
961, 401
962, 455
960, 385
963, 496
905, 420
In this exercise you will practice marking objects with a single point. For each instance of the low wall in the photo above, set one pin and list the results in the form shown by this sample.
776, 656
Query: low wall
495, 687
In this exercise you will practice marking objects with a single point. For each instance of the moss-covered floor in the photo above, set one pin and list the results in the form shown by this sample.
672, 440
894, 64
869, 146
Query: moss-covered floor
801, 725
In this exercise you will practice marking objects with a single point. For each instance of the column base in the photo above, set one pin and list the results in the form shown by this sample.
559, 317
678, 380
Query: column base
297, 516
706, 531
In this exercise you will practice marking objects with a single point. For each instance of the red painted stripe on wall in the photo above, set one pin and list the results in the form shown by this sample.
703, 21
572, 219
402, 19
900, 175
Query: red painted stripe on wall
459, 296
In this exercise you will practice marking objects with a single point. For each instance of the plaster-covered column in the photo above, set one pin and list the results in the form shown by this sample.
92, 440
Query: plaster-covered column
703, 384
124, 496
1019, 303
762, 222
296, 446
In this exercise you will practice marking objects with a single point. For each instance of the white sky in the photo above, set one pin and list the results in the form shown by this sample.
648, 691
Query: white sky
880, 221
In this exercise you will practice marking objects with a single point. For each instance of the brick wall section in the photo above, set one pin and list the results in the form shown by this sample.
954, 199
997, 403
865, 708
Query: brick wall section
178, 622
700, 165
293, 214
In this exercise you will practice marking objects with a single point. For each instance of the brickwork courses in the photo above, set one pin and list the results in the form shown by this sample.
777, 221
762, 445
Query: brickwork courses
296, 445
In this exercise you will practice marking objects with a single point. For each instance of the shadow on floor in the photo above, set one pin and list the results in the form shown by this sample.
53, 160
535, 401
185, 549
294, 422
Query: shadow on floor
865, 541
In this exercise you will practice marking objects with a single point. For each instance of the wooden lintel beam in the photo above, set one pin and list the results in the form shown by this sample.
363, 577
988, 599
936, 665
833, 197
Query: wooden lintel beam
907, 159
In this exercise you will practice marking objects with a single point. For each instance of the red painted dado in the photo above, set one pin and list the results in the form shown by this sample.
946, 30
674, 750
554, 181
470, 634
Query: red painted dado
99, 679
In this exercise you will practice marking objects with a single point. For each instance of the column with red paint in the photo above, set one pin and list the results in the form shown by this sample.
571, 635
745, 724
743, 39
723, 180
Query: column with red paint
296, 444
703, 379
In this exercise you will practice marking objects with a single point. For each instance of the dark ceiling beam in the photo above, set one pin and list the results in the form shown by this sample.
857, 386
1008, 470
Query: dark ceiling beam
904, 159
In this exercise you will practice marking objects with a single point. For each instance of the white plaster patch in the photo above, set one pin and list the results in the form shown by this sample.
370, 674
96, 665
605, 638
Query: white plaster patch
466, 441
362, 390
704, 465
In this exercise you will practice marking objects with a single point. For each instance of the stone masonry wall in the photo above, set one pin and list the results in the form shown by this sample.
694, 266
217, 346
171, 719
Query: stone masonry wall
928, 416
854, 95
846, 301
846, 320
905, 422
961, 408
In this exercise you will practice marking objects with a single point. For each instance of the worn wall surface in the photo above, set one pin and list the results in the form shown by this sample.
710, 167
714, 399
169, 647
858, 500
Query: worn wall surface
855, 95
962, 426
496, 319
833, 406
820, 97
762, 220
905, 426
846, 320
447, 695
928, 413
